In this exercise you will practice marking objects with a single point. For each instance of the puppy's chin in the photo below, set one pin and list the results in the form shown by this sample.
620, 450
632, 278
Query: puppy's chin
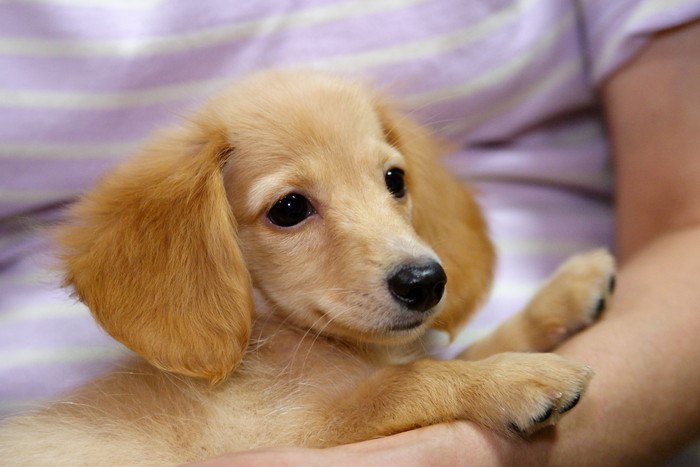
396, 331
353, 324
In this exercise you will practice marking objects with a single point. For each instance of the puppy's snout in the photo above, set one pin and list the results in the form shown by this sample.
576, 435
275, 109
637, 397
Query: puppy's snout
418, 286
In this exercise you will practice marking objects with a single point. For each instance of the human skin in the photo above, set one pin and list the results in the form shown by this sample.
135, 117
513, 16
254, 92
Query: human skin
644, 402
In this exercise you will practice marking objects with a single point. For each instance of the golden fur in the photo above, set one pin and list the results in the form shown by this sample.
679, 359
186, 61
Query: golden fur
171, 250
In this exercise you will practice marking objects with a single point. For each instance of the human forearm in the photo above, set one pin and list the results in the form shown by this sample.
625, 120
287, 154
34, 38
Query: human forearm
644, 400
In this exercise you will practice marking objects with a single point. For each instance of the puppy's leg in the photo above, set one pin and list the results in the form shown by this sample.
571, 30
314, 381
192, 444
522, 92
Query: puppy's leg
573, 298
509, 392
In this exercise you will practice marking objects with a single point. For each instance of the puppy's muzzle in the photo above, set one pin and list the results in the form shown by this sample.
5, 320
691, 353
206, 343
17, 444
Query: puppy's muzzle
418, 286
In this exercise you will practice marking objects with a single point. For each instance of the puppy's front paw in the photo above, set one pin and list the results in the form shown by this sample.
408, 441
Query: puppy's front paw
530, 391
574, 298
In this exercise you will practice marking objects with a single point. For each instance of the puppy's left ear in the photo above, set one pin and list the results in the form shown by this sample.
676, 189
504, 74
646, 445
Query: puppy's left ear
446, 216
153, 252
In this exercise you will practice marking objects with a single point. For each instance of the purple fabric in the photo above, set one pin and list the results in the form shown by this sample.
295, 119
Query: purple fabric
510, 82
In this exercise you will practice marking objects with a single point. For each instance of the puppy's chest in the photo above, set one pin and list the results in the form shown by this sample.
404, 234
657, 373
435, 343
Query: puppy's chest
284, 396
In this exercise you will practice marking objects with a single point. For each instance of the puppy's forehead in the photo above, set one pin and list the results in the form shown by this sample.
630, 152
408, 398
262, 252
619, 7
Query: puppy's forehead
292, 131
285, 114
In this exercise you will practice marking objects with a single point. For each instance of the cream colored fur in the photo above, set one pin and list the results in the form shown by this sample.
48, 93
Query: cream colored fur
253, 335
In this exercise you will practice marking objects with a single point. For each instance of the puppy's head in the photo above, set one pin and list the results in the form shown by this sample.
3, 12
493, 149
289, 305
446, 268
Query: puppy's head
303, 185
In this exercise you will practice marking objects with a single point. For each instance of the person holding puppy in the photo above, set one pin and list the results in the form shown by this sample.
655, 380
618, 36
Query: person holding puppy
525, 115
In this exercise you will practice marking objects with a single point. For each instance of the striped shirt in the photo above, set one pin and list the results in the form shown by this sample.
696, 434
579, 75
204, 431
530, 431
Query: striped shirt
512, 83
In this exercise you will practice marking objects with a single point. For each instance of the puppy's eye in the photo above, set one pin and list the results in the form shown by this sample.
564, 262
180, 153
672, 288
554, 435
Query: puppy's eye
394, 182
290, 210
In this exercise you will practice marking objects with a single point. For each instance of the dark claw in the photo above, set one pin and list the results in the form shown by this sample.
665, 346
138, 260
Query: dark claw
544, 416
611, 284
572, 403
599, 307
516, 429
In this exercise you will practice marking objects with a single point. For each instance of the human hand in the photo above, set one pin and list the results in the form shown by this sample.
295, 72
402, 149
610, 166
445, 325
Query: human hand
458, 443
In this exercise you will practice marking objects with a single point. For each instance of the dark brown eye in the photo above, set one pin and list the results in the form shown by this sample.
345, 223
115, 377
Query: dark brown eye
394, 182
290, 210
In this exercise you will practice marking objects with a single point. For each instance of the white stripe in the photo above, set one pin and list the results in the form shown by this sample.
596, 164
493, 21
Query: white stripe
43, 312
11, 407
429, 47
110, 100
67, 150
21, 357
44, 278
542, 247
597, 181
500, 74
643, 11
554, 78
467, 336
192, 89
23, 196
116, 4
514, 290
134, 47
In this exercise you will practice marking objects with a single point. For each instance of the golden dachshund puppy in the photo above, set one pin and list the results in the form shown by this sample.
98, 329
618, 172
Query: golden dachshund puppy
274, 263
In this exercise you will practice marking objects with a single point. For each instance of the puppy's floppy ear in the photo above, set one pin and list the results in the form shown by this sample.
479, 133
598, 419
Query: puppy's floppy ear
152, 251
446, 216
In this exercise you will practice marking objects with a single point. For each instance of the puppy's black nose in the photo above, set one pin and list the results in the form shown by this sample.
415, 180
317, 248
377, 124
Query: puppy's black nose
418, 286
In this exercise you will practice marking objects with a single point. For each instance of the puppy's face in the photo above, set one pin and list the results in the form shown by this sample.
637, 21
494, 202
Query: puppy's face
324, 209
334, 205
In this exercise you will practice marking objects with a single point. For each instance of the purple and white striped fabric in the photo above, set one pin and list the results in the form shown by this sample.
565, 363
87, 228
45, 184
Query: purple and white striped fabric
510, 82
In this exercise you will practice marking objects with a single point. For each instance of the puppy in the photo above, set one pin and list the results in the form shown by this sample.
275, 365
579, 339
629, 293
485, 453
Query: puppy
274, 264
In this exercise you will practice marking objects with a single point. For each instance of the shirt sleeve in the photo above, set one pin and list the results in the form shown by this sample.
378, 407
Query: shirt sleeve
615, 31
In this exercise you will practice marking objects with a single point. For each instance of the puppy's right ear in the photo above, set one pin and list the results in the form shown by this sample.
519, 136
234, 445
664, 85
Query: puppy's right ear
153, 252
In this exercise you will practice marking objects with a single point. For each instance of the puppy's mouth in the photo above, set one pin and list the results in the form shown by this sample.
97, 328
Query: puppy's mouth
406, 326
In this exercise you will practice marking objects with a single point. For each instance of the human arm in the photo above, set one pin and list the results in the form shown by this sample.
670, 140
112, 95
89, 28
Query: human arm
645, 400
